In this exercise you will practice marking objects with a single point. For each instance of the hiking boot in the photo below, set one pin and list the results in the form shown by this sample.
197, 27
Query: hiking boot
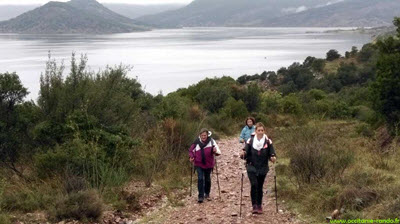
200, 200
207, 197
260, 211
255, 209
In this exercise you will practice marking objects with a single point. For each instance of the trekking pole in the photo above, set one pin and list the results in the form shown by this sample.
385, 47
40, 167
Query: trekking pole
191, 179
216, 169
276, 190
241, 193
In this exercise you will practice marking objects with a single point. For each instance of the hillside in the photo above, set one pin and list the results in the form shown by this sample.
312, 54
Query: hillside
134, 11
279, 13
356, 13
226, 12
131, 11
76, 16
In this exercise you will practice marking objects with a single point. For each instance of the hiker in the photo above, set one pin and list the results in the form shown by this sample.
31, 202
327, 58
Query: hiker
201, 153
258, 151
247, 130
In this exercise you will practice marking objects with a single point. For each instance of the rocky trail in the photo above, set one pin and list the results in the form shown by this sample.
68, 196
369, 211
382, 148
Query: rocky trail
226, 208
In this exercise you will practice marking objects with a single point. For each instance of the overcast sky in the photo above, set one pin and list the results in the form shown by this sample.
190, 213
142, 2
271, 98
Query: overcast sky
144, 2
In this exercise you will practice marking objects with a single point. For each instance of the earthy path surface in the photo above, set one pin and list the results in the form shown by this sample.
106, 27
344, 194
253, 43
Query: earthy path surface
226, 209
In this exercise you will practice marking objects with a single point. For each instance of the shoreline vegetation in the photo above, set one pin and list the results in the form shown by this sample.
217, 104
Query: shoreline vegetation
90, 136
375, 32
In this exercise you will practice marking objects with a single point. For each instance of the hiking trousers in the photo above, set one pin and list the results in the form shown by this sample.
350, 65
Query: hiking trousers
257, 183
203, 181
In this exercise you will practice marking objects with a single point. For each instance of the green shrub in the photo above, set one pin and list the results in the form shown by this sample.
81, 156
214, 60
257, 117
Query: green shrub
271, 102
235, 109
340, 110
332, 55
317, 94
88, 160
223, 124
173, 106
291, 105
4, 219
150, 157
365, 130
252, 97
82, 205
314, 157
75, 184
364, 113
357, 198
213, 98
23, 199
323, 107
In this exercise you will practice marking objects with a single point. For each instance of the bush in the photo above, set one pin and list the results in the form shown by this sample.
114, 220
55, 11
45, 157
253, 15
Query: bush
357, 198
314, 158
212, 98
4, 219
364, 113
221, 123
366, 52
347, 74
365, 130
87, 160
252, 97
332, 55
271, 102
82, 205
27, 197
75, 184
317, 94
291, 105
173, 106
150, 157
24, 200
235, 109
340, 110
195, 113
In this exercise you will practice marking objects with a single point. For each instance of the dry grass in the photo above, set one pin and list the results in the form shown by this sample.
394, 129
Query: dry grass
331, 67
368, 188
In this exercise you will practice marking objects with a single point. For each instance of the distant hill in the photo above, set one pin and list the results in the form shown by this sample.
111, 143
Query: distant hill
356, 13
283, 13
228, 12
75, 16
131, 11
10, 11
134, 11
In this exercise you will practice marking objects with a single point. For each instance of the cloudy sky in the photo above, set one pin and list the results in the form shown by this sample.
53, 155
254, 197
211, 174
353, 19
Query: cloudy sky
144, 2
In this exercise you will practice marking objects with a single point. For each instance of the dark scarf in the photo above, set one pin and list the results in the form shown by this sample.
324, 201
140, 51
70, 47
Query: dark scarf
202, 146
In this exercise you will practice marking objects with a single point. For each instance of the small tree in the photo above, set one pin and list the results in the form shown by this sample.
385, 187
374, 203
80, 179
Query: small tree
386, 88
12, 93
332, 55
354, 51
318, 65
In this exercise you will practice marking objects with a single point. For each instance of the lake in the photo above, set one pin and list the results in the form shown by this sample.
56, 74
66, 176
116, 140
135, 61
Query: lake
165, 60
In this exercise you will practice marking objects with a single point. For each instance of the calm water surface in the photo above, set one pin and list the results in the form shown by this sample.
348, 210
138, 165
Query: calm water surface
164, 60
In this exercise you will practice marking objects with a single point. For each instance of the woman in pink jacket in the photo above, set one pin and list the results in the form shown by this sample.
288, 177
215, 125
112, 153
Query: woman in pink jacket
201, 153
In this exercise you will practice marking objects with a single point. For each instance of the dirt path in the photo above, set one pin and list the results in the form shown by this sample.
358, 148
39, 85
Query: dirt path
226, 210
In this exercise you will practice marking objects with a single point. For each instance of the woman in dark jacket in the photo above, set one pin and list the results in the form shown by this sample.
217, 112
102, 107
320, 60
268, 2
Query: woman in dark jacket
258, 151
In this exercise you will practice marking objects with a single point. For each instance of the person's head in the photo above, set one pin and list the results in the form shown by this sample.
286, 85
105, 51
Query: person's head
203, 134
250, 121
260, 129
